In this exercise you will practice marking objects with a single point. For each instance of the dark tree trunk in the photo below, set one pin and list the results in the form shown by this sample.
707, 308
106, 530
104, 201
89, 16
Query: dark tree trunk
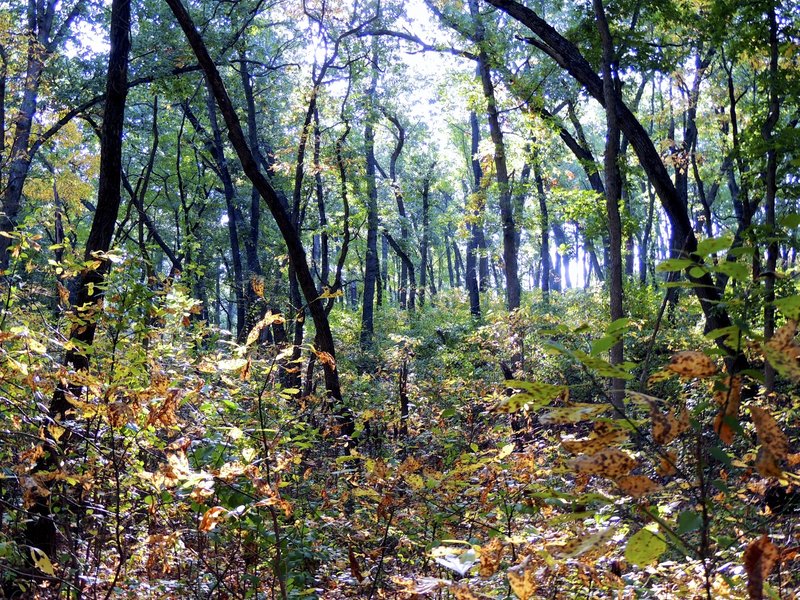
297, 256
544, 226
613, 184
41, 530
513, 289
371, 259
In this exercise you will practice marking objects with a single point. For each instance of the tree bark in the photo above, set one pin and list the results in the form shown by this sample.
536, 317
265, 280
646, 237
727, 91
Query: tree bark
297, 256
41, 530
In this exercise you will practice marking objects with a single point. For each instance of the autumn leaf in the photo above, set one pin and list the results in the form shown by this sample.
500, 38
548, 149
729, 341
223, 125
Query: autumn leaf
691, 363
42, 561
637, 486
603, 436
783, 352
667, 427
491, 554
522, 579
666, 466
580, 545
766, 464
534, 393
760, 558
769, 432
211, 517
257, 285
610, 462
572, 414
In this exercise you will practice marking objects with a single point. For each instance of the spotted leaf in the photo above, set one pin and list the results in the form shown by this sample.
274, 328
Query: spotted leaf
637, 486
691, 363
572, 414
769, 432
610, 462
603, 436
760, 557
522, 579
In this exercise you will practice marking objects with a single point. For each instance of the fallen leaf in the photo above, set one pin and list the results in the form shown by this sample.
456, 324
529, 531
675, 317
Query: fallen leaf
759, 559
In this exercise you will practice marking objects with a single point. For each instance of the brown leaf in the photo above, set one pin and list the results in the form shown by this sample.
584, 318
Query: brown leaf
766, 464
355, 570
211, 517
491, 555
667, 427
722, 429
667, 464
637, 485
610, 462
522, 578
769, 433
603, 436
783, 352
759, 558
691, 363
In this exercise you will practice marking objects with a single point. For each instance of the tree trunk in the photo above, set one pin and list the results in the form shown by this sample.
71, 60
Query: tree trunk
513, 289
297, 256
371, 259
41, 531
613, 184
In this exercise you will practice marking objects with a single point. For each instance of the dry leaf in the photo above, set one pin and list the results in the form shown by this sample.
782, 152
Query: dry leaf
580, 545
759, 558
211, 517
460, 591
691, 363
637, 485
522, 578
491, 555
766, 464
611, 463
667, 464
667, 427
769, 433
257, 285
603, 436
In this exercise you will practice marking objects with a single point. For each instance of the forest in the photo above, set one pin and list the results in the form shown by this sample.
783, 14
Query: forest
448, 299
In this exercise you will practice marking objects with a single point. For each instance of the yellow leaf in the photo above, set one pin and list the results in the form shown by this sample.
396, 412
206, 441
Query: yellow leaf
42, 561
572, 414
610, 462
580, 545
691, 363
522, 579
603, 436
491, 554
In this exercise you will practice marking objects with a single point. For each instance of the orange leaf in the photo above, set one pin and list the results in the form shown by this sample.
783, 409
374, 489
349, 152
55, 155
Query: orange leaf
691, 363
522, 578
211, 517
760, 558
769, 432
667, 465
491, 555
610, 462
766, 464
637, 485
603, 436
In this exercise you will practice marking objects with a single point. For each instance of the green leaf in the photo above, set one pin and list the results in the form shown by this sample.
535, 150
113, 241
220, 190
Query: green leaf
697, 272
713, 245
536, 395
688, 521
604, 368
790, 221
675, 264
602, 344
734, 270
789, 306
645, 546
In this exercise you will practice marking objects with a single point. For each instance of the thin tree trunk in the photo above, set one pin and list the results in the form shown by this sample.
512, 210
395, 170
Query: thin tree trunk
41, 530
613, 185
